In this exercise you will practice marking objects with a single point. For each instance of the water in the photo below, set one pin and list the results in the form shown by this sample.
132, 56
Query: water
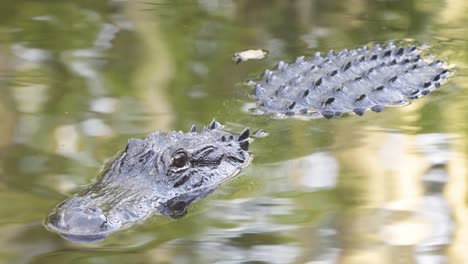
78, 78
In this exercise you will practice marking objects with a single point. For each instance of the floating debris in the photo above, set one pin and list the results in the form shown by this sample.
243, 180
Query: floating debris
245, 55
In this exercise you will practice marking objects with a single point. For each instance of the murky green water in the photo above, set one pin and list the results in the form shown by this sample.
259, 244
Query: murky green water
78, 78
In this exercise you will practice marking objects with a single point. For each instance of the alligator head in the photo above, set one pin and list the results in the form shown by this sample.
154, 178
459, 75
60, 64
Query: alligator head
165, 172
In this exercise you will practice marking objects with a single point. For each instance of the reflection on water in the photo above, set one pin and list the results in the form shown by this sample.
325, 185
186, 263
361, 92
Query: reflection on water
79, 78
424, 224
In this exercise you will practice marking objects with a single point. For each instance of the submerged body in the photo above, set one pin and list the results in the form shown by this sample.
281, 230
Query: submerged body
350, 81
165, 172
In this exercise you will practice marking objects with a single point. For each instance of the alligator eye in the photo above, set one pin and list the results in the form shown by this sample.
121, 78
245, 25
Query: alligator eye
180, 158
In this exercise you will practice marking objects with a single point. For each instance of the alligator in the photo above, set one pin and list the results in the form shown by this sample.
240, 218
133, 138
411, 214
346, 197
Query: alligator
164, 172
168, 171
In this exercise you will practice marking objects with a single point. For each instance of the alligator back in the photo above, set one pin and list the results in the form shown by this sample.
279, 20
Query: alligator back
350, 81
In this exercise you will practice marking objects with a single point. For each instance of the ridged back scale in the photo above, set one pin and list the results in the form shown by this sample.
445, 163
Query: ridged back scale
350, 81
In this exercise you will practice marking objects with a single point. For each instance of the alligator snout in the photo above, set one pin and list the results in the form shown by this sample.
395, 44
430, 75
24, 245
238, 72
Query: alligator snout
78, 221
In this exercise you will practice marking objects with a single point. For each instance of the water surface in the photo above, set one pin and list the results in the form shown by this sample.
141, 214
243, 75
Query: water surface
78, 78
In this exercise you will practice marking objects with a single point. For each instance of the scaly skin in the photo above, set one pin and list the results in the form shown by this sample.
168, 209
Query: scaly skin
165, 172
350, 81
